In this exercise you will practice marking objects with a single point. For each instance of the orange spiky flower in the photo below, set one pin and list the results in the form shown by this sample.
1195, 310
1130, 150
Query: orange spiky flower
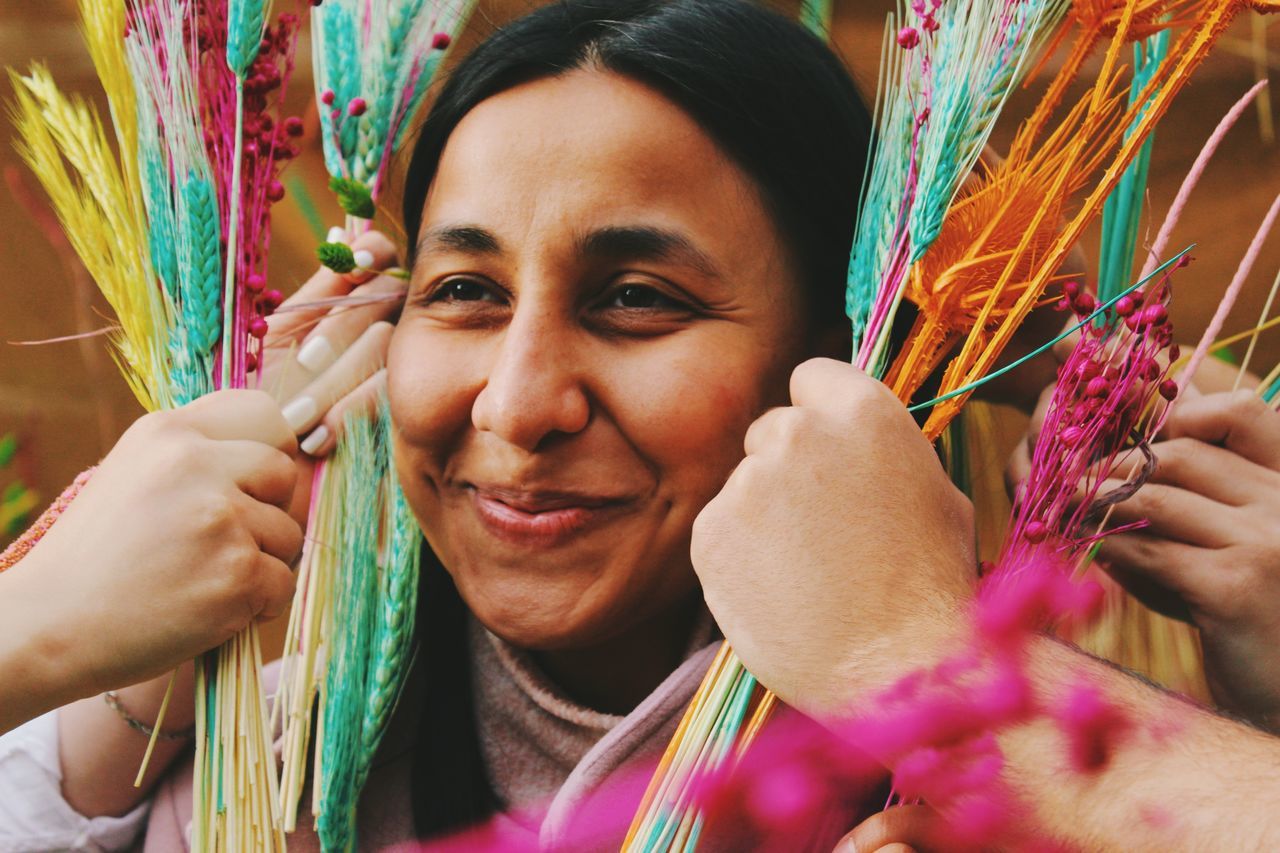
994, 239
1100, 129
1094, 21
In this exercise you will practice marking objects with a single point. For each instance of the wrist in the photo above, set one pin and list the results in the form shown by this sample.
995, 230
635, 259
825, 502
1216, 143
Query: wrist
873, 668
143, 701
36, 647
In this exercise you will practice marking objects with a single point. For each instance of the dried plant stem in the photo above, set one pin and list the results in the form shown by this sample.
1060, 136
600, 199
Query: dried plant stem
233, 223
155, 731
1253, 336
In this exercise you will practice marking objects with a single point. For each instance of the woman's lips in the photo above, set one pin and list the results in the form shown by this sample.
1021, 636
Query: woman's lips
539, 520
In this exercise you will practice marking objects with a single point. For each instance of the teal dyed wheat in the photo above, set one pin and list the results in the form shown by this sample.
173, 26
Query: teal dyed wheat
932, 121
353, 627
371, 627
201, 271
158, 198
396, 611
337, 55
1122, 212
245, 20
385, 55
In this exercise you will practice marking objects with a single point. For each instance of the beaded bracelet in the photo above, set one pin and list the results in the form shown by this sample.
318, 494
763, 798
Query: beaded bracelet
113, 702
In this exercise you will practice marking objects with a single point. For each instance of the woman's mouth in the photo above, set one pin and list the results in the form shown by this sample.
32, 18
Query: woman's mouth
540, 519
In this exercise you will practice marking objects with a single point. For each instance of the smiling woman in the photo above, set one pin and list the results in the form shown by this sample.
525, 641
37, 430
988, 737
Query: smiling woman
631, 221
629, 313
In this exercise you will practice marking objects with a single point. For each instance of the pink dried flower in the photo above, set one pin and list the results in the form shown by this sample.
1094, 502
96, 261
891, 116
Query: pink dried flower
1093, 726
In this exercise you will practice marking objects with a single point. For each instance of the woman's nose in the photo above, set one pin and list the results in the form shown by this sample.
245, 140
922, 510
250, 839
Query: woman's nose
534, 388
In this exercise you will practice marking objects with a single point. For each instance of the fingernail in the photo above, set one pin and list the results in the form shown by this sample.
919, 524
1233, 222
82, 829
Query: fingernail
336, 235
316, 354
316, 440
363, 258
299, 412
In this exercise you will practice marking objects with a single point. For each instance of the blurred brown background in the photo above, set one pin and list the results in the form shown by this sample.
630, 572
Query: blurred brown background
65, 403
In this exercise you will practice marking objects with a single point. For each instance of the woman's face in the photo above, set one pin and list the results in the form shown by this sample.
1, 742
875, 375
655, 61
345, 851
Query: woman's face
600, 307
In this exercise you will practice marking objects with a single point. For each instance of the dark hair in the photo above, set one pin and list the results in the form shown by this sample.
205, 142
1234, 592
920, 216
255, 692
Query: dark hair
778, 102
771, 94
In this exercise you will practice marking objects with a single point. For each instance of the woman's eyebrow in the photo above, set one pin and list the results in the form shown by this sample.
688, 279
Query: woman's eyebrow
642, 242
471, 239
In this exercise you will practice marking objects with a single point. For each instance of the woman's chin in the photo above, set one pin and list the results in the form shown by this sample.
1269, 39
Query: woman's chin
539, 628
542, 612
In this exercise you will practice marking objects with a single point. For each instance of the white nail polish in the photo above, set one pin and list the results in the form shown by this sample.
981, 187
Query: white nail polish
363, 258
316, 354
299, 412
316, 440
336, 235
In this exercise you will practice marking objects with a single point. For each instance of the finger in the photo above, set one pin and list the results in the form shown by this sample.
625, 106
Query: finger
275, 587
365, 358
260, 471
326, 283
1019, 467
1239, 421
275, 532
825, 383
763, 429
990, 157
240, 415
1162, 574
1039, 414
344, 324
912, 826
1214, 472
1175, 514
373, 252
365, 399
293, 318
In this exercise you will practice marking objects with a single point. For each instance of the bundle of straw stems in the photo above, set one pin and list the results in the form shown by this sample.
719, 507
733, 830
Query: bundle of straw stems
235, 791
306, 645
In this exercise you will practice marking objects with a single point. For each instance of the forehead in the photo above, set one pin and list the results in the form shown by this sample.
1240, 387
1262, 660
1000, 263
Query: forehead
591, 146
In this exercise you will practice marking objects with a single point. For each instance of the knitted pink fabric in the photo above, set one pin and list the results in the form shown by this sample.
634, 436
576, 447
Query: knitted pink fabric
24, 543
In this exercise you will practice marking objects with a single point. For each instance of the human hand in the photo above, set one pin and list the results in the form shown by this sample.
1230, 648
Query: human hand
324, 360
177, 542
838, 555
899, 829
1211, 552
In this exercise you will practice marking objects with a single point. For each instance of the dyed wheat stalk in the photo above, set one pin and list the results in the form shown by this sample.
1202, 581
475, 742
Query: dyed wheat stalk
149, 227
353, 626
91, 194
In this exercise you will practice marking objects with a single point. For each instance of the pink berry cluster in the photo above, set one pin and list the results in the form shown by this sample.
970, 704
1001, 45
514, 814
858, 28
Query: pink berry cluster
909, 36
269, 140
358, 106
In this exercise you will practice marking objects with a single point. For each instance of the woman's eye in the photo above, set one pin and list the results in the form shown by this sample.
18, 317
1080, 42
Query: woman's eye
642, 296
463, 290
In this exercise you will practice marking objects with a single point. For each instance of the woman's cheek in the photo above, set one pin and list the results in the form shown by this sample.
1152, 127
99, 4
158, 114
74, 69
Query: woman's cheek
426, 388
692, 424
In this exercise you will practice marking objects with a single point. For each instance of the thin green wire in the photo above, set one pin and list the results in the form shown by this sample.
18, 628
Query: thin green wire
965, 389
